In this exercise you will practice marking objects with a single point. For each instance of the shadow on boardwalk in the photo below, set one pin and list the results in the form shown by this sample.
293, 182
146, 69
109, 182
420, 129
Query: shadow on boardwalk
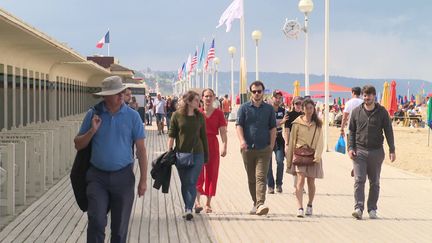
404, 207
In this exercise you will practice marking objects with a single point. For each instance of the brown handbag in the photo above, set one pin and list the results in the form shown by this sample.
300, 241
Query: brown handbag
304, 155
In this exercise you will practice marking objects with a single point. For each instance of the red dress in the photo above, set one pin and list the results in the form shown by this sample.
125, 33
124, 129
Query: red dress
207, 180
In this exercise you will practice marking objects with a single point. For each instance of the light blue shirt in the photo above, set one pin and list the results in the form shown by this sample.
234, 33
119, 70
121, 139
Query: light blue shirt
112, 143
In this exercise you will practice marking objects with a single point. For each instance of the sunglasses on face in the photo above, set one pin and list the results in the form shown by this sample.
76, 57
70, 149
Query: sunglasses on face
297, 103
256, 91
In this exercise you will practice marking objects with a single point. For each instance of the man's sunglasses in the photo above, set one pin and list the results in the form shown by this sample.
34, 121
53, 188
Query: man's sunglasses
256, 91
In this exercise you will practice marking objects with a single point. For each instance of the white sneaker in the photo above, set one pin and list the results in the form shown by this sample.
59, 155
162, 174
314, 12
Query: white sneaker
373, 214
308, 211
358, 214
253, 210
262, 210
300, 213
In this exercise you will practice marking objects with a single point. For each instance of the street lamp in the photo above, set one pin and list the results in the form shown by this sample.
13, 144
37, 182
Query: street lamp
232, 51
306, 6
216, 61
256, 36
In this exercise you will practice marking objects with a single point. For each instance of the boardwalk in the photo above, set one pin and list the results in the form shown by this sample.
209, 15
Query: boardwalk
404, 206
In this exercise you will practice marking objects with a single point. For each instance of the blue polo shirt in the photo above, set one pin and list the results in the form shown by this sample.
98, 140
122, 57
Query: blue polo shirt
112, 143
256, 123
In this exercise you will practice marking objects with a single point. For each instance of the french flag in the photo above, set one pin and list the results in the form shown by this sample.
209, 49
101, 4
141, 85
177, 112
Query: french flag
104, 40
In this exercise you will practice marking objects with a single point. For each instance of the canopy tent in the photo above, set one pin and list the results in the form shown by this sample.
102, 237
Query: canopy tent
332, 86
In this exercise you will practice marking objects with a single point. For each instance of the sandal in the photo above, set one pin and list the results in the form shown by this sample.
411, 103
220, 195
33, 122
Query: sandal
198, 209
208, 209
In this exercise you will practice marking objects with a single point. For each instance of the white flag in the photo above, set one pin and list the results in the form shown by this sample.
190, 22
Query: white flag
188, 63
234, 11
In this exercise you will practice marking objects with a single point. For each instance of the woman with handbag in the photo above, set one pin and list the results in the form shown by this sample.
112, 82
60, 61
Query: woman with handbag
215, 124
188, 129
304, 154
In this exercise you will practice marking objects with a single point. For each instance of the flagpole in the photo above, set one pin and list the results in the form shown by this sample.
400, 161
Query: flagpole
203, 77
109, 43
212, 76
243, 76
326, 73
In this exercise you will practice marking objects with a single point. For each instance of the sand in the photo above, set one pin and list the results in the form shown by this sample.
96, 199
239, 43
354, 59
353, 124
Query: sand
412, 151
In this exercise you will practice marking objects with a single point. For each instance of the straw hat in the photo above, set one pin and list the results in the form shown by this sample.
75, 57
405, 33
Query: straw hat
111, 86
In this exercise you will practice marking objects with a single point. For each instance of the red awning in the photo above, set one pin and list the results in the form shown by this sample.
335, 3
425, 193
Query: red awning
333, 87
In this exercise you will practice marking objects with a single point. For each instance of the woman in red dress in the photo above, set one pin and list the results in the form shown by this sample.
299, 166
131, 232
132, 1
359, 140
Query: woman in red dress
215, 124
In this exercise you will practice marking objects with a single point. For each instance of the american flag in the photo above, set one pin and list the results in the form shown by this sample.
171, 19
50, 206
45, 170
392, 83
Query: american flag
194, 61
180, 72
210, 54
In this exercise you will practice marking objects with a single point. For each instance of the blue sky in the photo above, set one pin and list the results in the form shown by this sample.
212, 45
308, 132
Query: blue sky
368, 39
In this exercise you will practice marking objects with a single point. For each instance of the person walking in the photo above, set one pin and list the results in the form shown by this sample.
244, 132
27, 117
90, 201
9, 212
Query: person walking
226, 107
354, 102
279, 148
256, 131
110, 178
170, 109
127, 96
306, 130
149, 110
215, 124
295, 112
188, 130
159, 108
368, 121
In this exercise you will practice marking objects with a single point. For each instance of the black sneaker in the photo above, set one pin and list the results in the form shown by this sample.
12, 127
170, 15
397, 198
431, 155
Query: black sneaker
279, 189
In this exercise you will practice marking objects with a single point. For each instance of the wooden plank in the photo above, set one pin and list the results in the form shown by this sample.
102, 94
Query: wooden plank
44, 216
59, 222
136, 214
16, 226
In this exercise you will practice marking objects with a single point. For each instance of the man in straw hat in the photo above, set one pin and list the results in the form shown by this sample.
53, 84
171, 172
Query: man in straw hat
110, 177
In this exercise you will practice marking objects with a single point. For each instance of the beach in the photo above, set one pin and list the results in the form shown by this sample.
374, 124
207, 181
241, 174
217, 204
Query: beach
412, 152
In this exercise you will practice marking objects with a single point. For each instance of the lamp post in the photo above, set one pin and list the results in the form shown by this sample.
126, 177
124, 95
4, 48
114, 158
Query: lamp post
216, 61
232, 51
306, 6
256, 36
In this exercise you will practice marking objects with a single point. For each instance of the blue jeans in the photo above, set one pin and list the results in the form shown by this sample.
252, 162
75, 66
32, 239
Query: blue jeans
188, 179
280, 154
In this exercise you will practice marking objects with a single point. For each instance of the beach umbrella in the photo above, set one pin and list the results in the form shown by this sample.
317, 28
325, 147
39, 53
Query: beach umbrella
339, 101
418, 99
343, 101
385, 96
296, 88
393, 101
429, 116
334, 101
405, 99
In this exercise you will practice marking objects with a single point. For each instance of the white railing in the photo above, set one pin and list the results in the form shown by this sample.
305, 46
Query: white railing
33, 158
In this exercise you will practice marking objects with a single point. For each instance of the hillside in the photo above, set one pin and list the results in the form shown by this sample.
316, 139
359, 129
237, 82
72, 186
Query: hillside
284, 81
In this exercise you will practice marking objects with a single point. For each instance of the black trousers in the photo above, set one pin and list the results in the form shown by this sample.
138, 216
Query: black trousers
109, 191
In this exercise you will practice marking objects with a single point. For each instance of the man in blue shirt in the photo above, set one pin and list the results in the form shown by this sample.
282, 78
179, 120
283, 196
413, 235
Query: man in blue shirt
256, 130
110, 177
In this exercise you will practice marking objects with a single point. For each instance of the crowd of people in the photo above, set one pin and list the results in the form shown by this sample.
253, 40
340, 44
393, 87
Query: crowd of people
294, 135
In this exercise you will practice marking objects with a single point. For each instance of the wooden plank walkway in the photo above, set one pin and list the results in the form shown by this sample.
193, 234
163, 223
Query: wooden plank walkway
404, 207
